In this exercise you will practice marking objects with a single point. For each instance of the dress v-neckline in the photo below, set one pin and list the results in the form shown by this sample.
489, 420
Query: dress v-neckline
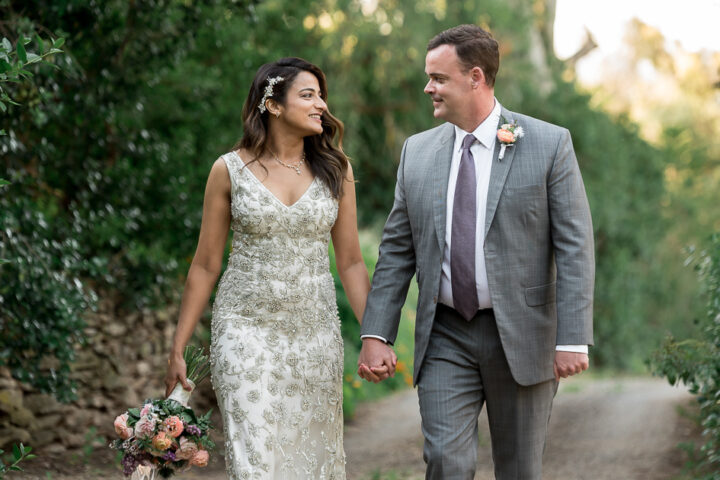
264, 187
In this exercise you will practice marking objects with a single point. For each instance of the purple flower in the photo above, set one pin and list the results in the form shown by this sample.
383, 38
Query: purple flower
129, 464
169, 456
193, 430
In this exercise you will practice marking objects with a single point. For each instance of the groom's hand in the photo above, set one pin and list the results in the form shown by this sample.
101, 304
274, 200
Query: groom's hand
376, 361
569, 363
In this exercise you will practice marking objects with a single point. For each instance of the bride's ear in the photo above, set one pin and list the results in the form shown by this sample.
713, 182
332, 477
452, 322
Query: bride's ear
273, 108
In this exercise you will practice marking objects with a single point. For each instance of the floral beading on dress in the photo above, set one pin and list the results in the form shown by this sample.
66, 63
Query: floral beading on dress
276, 348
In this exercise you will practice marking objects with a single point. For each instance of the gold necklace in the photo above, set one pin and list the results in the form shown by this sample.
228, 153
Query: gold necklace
295, 166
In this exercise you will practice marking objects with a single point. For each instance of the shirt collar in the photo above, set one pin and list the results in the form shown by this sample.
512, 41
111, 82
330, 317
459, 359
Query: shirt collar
485, 132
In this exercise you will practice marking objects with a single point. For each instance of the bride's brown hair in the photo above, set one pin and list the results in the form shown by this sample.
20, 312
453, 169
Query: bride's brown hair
326, 161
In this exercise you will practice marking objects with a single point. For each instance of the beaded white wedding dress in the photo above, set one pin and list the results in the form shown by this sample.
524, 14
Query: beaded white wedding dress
276, 349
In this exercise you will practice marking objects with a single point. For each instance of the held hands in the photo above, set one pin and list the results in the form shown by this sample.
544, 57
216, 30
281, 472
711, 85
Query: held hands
569, 363
377, 360
176, 372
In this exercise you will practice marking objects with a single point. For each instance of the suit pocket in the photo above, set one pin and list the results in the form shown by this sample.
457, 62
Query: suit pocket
540, 295
525, 192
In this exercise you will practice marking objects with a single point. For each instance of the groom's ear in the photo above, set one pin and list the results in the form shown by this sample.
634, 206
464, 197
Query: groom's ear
477, 77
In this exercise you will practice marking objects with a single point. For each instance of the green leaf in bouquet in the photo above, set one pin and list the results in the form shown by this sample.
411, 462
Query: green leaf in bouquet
173, 407
134, 412
204, 421
206, 443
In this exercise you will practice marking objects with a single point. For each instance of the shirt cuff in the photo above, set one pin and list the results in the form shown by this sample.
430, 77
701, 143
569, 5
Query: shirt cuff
572, 348
384, 340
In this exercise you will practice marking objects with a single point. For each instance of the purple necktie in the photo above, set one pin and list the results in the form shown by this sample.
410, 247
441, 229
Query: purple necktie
462, 248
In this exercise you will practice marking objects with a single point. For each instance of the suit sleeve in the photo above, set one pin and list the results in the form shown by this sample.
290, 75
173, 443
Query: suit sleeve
572, 237
394, 269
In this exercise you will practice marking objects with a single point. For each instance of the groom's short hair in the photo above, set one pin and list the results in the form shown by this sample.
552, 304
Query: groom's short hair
475, 47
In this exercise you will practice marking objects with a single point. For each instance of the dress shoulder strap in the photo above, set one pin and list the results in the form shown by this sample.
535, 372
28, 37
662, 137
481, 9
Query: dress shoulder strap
234, 165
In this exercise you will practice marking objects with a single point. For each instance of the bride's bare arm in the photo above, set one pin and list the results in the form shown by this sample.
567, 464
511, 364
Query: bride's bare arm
350, 265
348, 258
204, 270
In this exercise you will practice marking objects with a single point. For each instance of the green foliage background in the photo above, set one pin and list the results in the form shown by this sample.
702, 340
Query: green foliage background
696, 362
108, 155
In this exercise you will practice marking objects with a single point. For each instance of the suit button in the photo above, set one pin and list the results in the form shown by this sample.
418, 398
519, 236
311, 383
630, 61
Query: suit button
435, 299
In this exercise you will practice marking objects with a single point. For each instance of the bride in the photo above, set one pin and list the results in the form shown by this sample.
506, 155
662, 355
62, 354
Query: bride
276, 349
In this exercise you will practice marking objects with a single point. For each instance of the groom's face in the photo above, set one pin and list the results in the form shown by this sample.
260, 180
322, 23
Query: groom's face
448, 86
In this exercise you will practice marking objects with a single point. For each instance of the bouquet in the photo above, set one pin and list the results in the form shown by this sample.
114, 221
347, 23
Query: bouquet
166, 436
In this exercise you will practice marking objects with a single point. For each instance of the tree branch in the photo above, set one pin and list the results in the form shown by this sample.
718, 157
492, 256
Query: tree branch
588, 46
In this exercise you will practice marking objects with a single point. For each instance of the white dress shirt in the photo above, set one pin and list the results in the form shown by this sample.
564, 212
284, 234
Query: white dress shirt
482, 151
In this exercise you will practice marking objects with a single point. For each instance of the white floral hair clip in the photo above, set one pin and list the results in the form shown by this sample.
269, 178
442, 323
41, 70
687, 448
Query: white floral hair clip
268, 92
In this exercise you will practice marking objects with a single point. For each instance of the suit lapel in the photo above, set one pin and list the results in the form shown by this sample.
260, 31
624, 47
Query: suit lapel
498, 174
441, 165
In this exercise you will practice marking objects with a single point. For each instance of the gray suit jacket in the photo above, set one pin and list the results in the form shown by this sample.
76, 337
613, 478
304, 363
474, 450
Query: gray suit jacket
538, 247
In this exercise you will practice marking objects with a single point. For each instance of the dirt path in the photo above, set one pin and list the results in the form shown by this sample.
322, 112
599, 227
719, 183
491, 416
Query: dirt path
601, 429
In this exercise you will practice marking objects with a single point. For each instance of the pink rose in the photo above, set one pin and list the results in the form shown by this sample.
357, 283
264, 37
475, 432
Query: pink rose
162, 441
145, 427
200, 458
147, 408
121, 427
186, 450
505, 136
173, 426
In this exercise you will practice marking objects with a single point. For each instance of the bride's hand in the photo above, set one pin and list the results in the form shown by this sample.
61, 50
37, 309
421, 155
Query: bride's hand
176, 372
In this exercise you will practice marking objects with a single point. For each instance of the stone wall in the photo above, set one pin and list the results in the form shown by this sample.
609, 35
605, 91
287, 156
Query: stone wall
122, 364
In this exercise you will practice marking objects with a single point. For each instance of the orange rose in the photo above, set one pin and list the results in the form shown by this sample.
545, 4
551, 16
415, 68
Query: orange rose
505, 136
200, 459
162, 441
173, 426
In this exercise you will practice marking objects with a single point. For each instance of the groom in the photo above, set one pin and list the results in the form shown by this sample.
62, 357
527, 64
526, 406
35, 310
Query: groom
496, 227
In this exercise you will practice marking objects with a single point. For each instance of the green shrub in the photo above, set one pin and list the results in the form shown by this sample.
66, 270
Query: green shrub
696, 362
42, 299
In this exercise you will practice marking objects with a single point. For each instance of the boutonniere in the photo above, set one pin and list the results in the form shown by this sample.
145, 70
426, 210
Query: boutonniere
508, 133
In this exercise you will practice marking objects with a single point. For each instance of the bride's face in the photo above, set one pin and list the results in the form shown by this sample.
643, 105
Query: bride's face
304, 106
